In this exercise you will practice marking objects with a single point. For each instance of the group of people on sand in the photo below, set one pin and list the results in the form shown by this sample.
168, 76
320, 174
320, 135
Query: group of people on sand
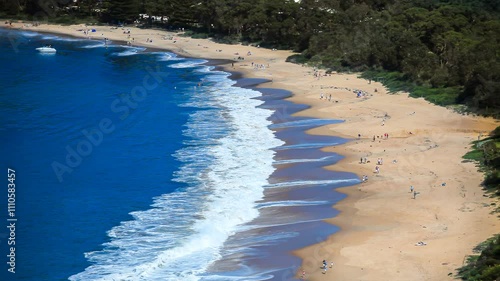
323, 96
380, 161
34, 24
259, 66
384, 137
414, 192
360, 93
325, 265
324, 268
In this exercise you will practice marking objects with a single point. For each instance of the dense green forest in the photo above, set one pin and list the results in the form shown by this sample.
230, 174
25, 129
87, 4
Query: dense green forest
447, 51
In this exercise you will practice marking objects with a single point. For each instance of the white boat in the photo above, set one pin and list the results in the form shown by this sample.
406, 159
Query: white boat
47, 49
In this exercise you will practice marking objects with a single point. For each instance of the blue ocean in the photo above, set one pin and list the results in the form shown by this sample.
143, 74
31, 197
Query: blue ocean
136, 164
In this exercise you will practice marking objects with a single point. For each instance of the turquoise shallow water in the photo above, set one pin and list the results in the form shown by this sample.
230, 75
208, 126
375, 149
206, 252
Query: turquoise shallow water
126, 169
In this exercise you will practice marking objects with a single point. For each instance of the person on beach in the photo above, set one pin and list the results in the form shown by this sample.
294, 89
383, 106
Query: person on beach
331, 264
415, 194
411, 188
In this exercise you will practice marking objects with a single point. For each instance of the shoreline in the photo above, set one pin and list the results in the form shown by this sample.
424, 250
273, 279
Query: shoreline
379, 221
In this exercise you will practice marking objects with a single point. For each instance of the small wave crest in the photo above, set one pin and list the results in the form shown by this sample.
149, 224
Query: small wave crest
129, 51
305, 160
29, 34
58, 38
306, 145
95, 45
310, 122
188, 64
166, 56
312, 182
290, 203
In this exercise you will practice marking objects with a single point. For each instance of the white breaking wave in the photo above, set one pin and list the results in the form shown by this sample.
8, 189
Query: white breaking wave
225, 168
311, 182
188, 64
304, 123
306, 160
126, 53
96, 45
165, 56
291, 203
57, 38
305, 145
29, 34
130, 51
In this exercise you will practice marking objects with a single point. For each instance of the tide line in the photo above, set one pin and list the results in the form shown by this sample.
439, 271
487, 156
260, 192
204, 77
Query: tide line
311, 182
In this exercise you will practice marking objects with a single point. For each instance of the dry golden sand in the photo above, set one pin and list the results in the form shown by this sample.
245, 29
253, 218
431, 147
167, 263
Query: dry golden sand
380, 221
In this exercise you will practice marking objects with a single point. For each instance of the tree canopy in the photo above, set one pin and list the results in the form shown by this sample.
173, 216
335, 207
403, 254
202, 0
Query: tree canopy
438, 44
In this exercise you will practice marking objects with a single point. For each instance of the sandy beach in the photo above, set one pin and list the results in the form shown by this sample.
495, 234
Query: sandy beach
397, 142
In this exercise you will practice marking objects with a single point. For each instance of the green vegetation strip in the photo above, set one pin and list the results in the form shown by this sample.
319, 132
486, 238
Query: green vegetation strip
485, 266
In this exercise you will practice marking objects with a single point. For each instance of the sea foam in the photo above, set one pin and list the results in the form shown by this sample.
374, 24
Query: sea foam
224, 167
130, 51
189, 64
